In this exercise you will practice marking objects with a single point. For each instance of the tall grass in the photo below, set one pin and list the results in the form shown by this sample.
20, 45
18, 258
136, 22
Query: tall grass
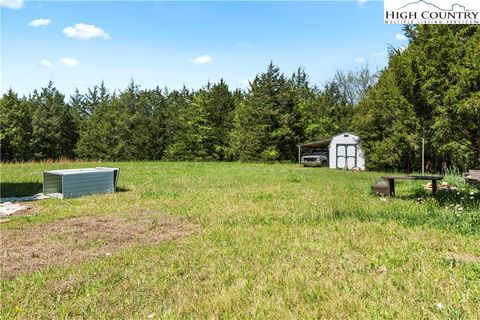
273, 241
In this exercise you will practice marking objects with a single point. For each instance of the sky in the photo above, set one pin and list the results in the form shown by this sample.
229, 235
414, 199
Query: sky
79, 44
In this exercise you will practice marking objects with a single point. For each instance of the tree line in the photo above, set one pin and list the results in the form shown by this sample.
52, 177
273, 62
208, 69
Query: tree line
214, 123
430, 90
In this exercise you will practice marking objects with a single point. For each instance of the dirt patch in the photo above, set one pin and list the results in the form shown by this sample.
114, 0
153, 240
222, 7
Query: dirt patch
462, 257
73, 240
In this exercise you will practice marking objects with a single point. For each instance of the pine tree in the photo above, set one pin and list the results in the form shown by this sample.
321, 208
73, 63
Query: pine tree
387, 125
53, 127
15, 128
263, 122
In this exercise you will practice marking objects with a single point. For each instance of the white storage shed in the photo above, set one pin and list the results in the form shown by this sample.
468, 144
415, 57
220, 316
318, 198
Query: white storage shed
344, 151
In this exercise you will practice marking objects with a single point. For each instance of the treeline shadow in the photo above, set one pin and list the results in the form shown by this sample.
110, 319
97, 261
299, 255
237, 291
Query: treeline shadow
19, 189
25, 189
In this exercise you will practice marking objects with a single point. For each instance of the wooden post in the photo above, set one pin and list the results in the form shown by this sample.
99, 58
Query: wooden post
391, 187
299, 155
423, 156
434, 187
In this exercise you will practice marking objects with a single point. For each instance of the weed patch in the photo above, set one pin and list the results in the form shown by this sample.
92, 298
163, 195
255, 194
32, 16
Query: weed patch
73, 240
467, 223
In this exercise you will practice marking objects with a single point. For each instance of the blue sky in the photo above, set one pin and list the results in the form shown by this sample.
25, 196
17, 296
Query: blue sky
79, 44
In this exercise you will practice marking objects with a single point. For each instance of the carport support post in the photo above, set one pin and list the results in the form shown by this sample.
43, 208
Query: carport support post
299, 152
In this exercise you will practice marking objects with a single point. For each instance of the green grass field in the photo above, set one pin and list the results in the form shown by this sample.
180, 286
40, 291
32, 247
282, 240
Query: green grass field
230, 240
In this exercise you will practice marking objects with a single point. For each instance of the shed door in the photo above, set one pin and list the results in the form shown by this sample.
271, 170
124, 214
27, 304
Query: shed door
346, 156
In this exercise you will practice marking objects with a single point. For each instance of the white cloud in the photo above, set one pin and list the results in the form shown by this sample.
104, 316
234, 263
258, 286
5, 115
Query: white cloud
39, 23
361, 2
45, 63
379, 54
69, 62
359, 60
84, 31
400, 37
201, 59
12, 4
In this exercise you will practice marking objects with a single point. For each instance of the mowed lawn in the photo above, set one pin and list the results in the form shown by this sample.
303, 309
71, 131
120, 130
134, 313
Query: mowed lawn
231, 240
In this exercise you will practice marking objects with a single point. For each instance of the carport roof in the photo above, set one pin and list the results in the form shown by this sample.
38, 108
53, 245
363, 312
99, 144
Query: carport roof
316, 144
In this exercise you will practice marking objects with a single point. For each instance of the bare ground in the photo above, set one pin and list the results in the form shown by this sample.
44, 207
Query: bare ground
462, 257
74, 240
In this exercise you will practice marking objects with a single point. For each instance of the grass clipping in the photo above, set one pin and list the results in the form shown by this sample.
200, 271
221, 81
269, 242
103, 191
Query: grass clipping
73, 240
